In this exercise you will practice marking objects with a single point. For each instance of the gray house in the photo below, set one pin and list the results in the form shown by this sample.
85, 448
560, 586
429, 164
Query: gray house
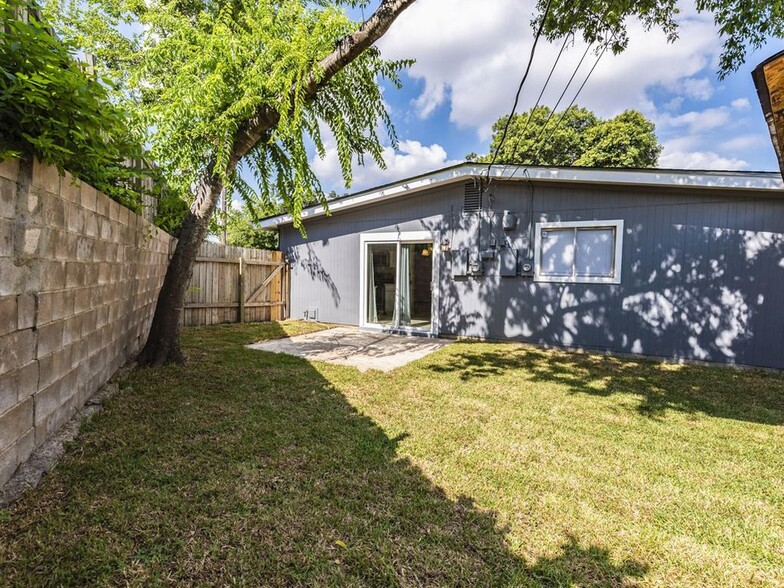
667, 263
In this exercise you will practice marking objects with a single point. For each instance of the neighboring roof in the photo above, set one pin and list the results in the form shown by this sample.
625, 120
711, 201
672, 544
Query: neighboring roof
721, 180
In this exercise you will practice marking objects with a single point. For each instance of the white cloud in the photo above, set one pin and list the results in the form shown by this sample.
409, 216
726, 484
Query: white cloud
410, 159
740, 104
743, 142
474, 59
698, 120
678, 155
698, 88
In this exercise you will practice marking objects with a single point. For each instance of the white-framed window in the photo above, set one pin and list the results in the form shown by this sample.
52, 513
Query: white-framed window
586, 252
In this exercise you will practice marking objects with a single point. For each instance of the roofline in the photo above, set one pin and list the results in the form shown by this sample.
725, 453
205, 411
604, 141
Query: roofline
717, 180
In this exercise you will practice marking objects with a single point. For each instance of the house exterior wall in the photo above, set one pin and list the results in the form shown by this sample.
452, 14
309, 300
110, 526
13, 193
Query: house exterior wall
702, 270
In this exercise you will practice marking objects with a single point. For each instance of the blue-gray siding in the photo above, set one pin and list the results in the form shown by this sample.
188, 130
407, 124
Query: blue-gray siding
702, 273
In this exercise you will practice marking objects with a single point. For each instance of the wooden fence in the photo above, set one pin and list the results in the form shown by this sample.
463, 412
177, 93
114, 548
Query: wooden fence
234, 284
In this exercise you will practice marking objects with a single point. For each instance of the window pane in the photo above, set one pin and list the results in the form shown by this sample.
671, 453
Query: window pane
595, 250
557, 252
381, 276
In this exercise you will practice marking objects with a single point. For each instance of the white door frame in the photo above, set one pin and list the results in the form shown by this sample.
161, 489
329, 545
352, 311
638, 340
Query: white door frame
398, 238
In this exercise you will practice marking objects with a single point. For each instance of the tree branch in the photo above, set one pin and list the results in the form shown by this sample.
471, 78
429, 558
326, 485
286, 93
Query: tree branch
347, 50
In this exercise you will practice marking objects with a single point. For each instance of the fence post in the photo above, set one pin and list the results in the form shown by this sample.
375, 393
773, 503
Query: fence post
242, 292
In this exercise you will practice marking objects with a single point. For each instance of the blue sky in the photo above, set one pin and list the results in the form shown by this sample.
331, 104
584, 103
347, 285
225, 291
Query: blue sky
470, 57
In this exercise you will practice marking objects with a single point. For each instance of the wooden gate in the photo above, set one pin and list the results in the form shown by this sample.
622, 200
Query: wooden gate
235, 284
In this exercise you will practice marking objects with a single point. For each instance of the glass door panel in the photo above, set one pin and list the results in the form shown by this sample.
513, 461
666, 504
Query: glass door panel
415, 285
381, 279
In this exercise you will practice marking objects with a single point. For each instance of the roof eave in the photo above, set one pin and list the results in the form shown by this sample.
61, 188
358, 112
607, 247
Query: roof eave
757, 181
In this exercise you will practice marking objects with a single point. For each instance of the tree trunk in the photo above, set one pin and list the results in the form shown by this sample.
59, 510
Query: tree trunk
163, 342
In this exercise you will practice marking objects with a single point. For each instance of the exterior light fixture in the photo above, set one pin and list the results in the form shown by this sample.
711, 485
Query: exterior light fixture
445, 246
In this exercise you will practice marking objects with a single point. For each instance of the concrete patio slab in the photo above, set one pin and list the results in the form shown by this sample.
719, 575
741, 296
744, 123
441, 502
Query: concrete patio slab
364, 350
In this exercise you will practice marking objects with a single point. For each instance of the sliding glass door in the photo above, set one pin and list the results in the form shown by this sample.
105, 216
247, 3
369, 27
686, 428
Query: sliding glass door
398, 285
381, 278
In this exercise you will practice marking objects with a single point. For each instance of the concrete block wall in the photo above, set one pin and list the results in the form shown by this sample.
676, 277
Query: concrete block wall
79, 277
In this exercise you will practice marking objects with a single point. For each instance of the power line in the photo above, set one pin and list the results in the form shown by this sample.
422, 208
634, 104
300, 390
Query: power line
574, 99
520, 87
566, 88
539, 98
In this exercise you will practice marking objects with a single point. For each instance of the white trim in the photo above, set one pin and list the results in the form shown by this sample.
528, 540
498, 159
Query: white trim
717, 181
398, 238
574, 279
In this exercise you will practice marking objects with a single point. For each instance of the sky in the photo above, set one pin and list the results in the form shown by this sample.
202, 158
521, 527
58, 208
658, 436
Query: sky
470, 56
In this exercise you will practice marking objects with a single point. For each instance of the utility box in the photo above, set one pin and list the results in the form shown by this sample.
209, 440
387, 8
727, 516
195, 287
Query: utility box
459, 263
507, 257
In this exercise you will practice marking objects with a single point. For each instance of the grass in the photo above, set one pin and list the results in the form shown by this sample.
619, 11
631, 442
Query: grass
481, 464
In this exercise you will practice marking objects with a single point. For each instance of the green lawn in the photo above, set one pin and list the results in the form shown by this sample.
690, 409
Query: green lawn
482, 464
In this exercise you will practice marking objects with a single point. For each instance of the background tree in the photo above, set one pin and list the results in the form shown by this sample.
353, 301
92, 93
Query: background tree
242, 229
575, 137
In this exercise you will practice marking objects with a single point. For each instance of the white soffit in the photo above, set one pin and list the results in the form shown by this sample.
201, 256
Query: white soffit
717, 180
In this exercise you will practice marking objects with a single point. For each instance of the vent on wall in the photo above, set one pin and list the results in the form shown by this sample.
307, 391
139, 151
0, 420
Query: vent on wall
472, 200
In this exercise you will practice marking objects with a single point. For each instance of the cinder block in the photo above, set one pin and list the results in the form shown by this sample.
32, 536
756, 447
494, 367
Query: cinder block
46, 177
7, 314
27, 380
26, 307
74, 274
46, 402
74, 218
82, 298
9, 384
102, 204
9, 169
15, 422
72, 331
113, 211
99, 251
54, 366
45, 307
91, 228
67, 246
26, 445
89, 322
9, 461
6, 237
84, 248
59, 417
79, 353
30, 242
88, 197
52, 275
12, 277
70, 189
52, 209
7, 198
50, 338
16, 349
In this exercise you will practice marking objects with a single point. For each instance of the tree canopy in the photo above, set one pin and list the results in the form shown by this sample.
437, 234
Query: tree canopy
196, 74
575, 136
744, 25
53, 109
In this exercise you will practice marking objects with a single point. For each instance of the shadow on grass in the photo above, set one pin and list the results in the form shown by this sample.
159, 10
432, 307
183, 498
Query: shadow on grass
747, 395
251, 468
